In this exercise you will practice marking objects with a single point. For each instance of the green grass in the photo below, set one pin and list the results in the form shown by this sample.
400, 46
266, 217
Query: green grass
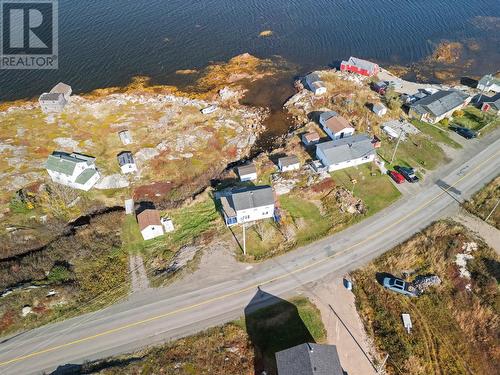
307, 216
436, 133
192, 221
476, 119
377, 191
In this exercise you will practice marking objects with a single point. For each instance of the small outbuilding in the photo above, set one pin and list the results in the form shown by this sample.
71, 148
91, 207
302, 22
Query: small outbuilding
64, 89
315, 84
129, 206
310, 138
168, 224
150, 224
247, 172
379, 109
125, 137
52, 102
126, 162
209, 109
288, 163
407, 322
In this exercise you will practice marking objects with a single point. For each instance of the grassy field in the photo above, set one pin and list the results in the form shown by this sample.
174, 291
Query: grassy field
455, 325
475, 119
243, 347
483, 202
376, 191
436, 133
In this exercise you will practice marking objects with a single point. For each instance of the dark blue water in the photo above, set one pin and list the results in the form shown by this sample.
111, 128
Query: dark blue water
106, 42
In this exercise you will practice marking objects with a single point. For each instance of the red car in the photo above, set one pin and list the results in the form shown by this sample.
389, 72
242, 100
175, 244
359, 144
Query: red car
397, 177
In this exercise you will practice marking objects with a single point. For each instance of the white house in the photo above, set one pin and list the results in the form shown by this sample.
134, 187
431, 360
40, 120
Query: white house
379, 109
56, 99
247, 172
52, 102
289, 163
126, 162
489, 83
436, 107
125, 137
73, 170
315, 84
248, 204
335, 126
346, 152
150, 224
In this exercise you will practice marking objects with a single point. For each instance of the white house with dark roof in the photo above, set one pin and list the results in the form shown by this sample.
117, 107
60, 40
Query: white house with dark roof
440, 105
248, 204
74, 170
126, 162
288, 163
315, 84
56, 99
247, 172
335, 126
309, 359
346, 152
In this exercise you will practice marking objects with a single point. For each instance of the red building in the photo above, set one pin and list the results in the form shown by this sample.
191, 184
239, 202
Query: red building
359, 66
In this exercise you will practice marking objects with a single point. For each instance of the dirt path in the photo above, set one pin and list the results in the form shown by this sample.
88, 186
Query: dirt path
343, 325
138, 274
491, 235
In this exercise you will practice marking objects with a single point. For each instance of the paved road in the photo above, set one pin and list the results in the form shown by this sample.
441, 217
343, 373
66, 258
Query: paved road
153, 316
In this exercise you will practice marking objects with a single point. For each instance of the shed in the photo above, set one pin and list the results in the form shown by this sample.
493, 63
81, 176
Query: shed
52, 102
335, 126
247, 172
310, 138
126, 162
209, 109
288, 163
168, 224
315, 84
379, 109
150, 224
125, 137
390, 131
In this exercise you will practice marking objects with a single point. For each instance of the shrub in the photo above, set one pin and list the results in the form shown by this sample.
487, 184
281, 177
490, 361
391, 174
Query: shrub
445, 122
458, 113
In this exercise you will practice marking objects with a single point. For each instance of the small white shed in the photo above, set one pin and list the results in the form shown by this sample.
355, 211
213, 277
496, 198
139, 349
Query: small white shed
379, 109
129, 206
407, 322
150, 224
125, 137
289, 163
247, 172
168, 224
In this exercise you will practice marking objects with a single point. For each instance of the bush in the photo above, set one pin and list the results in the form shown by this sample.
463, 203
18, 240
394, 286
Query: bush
458, 113
445, 122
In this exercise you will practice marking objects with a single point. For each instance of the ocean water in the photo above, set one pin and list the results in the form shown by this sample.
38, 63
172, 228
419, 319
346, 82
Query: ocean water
106, 42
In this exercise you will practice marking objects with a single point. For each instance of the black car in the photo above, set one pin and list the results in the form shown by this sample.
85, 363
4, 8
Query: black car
408, 173
464, 132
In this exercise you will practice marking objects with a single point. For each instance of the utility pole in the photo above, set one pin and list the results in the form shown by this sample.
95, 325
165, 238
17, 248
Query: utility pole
493, 210
397, 144
244, 241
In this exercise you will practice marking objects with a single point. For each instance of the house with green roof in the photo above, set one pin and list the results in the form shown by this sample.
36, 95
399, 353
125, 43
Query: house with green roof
74, 170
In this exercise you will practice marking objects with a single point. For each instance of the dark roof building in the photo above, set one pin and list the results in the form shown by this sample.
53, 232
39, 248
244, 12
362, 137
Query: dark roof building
309, 359
439, 105
125, 158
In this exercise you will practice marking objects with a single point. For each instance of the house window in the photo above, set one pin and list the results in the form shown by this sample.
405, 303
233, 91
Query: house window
246, 217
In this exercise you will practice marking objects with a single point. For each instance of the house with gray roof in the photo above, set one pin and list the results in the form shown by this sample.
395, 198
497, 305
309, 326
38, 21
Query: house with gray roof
247, 172
126, 162
492, 105
315, 84
309, 359
489, 83
346, 152
288, 163
440, 105
248, 204
56, 99
74, 170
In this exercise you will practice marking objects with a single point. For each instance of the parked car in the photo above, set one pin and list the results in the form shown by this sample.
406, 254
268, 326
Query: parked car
464, 132
397, 177
399, 286
408, 173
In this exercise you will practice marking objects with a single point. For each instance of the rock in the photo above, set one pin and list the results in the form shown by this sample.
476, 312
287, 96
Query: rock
421, 283
67, 143
145, 154
226, 94
114, 181
26, 310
